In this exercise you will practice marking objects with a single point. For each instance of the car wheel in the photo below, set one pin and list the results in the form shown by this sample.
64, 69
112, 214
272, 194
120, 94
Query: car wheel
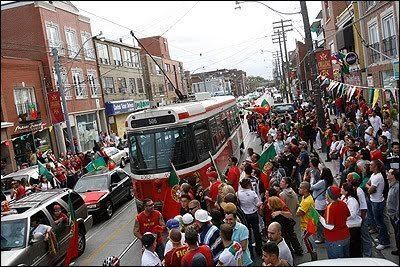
122, 162
81, 241
109, 209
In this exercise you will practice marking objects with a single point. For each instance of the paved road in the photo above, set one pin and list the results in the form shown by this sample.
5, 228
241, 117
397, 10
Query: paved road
115, 236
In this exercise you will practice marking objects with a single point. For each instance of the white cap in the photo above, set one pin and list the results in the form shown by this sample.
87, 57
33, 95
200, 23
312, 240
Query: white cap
202, 216
187, 218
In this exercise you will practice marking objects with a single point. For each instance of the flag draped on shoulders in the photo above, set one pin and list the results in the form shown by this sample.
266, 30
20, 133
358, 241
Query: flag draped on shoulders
72, 250
172, 205
313, 220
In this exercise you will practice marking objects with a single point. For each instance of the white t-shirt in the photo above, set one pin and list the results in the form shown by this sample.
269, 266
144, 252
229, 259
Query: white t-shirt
248, 200
150, 259
387, 134
272, 132
232, 255
368, 137
377, 180
284, 252
376, 123
361, 199
354, 220
169, 246
41, 229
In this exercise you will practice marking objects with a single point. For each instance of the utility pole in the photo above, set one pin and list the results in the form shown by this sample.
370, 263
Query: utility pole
313, 66
276, 38
281, 28
57, 67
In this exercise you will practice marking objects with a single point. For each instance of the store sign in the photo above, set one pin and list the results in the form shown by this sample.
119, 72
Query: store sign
121, 107
351, 58
324, 63
31, 127
56, 111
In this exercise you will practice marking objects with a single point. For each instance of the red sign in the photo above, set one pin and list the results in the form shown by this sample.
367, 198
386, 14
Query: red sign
57, 114
324, 63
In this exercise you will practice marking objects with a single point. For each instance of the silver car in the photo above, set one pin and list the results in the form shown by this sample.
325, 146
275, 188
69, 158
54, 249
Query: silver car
120, 157
18, 244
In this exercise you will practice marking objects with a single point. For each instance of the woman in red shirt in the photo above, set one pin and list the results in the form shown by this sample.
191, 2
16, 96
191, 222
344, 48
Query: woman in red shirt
336, 232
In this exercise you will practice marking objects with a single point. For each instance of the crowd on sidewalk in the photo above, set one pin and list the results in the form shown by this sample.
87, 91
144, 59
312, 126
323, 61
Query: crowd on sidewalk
257, 210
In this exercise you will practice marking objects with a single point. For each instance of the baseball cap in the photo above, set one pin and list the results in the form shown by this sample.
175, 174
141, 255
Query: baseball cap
187, 218
172, 223
333, 192
202, 216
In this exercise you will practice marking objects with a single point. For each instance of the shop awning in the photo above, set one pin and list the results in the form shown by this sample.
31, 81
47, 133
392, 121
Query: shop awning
6, 124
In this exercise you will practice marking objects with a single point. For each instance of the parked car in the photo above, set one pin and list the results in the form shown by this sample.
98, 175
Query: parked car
19, 247
120, 157
351, 262
31, 175
102, 190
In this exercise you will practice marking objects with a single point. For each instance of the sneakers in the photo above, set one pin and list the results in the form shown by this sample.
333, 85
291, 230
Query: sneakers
395, 252
381, 247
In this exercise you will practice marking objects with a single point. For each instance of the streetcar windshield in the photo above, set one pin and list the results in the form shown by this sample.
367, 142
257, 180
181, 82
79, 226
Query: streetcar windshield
154, 150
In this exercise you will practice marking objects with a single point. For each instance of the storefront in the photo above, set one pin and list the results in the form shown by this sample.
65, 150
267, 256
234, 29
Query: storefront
7, 153
88, 130
117, 111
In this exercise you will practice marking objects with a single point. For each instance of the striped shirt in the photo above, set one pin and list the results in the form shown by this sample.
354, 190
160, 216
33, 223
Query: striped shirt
209, 235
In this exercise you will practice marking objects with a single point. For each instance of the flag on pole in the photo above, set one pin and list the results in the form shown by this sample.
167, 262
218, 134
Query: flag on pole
266, 155
375, 97
220, 175
172, 205
313, 220
264, 103
96, 164
44, 171
72, 250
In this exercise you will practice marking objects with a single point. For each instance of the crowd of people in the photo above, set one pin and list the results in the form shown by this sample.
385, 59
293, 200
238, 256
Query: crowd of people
267, 211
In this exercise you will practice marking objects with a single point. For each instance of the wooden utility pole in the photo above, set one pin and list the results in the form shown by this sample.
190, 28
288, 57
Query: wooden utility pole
276, 38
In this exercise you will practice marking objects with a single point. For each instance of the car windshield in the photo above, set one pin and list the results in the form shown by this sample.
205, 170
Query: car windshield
91, 183
283, 108
149, 151
13, 234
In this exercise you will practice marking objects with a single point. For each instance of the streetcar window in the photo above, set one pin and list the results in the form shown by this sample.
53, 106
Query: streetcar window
221, 130
142, 150
202, 139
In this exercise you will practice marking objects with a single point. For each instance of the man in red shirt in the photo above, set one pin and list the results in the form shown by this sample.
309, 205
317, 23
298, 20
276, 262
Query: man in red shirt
233, 174
61, 174
175, 255
196, 255
150, 220
375, 152
215, 183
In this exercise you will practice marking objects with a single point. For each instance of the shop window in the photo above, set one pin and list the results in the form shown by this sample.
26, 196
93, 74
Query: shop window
42, 140
26, 105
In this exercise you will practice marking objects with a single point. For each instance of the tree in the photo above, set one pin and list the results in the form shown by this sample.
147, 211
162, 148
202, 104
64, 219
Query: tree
254, 82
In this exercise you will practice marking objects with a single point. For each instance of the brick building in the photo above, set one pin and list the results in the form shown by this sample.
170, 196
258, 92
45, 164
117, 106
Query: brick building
121, 73
158, 46
23, 103
154, 80
58, 24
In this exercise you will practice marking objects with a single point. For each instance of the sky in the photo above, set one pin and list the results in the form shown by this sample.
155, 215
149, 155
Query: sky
204, 35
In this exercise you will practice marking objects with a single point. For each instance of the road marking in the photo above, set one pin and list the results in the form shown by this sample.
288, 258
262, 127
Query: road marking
105, 243
127, 248
111, 220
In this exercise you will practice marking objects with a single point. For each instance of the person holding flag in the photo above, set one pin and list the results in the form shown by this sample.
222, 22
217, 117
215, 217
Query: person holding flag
72, 251
336, 232
307, 225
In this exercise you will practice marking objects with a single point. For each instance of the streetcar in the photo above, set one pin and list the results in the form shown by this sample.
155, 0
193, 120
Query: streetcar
184, 134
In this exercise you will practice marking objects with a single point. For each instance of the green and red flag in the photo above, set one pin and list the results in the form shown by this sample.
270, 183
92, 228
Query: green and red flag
96, 164
264, 103
220, 175
72, 250
266, 156
44, 171
171, 199
313, 220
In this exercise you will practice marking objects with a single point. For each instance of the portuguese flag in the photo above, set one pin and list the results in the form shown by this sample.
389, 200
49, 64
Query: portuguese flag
266, 155
264, 103
45, 172
96, 164
172, 205
72, 250
313, 220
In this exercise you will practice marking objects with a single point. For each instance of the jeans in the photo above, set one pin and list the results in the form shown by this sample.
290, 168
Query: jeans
395, 225
338, 249
320, 228
253, 224
378, 209
370, 215
366, 239
355, 250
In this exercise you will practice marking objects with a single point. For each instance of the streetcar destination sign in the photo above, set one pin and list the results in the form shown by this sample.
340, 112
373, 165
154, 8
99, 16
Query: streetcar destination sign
153, 121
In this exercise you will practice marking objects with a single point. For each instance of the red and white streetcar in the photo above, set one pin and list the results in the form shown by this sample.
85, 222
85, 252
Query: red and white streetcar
185, 134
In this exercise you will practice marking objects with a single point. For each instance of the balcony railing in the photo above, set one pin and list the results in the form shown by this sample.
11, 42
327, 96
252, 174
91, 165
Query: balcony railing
389, 46
28, 112
374, 56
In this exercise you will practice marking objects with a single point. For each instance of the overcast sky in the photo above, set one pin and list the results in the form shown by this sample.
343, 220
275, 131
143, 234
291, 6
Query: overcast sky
204, 33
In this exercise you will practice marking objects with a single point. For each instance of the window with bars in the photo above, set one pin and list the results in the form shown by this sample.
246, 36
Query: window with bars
132, 84
108, 83
25, 104
116, 53
102, 51
121, 82
140, 85
79, 85
389, 36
